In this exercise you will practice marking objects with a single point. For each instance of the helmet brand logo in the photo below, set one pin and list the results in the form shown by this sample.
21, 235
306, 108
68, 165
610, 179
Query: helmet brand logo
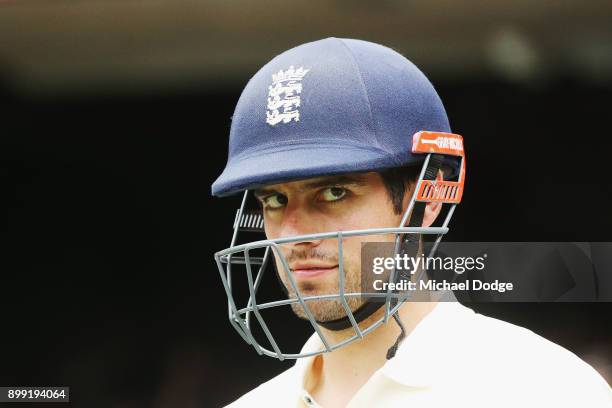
284, 96
445, 142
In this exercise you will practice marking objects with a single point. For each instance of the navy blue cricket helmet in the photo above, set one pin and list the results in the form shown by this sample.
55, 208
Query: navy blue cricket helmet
328, 107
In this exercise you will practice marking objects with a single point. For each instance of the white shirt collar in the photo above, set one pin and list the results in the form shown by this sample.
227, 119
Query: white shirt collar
421, 357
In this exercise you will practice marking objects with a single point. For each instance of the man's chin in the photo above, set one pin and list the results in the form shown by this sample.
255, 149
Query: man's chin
323, 310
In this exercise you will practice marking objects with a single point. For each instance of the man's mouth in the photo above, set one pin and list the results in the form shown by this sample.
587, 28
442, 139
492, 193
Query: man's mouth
309, 271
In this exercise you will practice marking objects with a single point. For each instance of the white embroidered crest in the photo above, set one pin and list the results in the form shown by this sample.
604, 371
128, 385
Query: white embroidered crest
284, 96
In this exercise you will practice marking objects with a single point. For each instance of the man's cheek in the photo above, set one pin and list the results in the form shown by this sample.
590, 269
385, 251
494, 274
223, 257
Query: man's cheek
352, 255
279, 266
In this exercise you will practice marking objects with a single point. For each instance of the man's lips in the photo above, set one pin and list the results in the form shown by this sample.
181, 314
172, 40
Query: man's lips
312, 271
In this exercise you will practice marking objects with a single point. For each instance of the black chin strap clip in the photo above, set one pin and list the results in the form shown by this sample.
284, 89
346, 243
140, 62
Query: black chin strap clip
393, 349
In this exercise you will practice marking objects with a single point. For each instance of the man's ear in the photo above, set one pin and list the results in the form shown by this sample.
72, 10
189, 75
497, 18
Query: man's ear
432, 210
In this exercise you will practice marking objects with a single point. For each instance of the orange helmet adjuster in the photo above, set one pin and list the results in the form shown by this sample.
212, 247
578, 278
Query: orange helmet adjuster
446, 144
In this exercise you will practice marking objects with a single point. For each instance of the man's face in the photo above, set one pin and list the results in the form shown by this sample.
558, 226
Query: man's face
326, 204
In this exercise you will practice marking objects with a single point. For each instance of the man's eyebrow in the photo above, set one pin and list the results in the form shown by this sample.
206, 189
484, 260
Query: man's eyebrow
262, 192
317, 183
335, 180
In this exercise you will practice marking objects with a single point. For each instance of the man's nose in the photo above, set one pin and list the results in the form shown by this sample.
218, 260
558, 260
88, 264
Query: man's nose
299, 221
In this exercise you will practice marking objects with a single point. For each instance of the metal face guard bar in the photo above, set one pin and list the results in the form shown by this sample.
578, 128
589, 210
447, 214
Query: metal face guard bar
241, 318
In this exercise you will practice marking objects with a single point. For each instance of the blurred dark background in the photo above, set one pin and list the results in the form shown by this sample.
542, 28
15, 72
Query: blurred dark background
115, 117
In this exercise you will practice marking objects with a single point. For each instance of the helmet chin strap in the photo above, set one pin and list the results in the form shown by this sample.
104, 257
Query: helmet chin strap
363, 312
371, 306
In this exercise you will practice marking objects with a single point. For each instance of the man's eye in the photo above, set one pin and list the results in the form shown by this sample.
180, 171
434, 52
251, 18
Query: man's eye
275, 201
333, 193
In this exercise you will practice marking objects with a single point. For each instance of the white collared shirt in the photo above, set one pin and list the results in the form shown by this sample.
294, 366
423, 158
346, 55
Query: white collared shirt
456, 357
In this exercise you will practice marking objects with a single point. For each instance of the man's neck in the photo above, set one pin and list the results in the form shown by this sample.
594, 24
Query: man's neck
347, 369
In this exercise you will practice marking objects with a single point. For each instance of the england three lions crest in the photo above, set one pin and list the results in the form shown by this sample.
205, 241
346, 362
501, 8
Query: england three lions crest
284, 96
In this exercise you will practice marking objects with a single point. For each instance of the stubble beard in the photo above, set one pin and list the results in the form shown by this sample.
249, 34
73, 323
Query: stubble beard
328, 309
